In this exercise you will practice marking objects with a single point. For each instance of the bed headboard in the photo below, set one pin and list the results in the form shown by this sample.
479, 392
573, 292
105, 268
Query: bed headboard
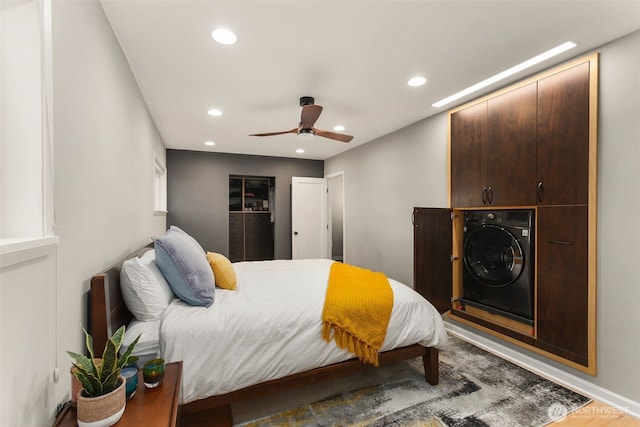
107, 310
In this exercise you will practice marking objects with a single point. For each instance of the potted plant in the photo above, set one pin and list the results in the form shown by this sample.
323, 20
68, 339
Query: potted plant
102, 400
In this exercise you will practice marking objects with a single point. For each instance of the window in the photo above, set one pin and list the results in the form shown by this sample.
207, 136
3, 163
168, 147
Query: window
160, 187
26, 168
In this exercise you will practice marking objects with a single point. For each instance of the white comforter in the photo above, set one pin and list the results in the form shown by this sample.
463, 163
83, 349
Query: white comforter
270, 327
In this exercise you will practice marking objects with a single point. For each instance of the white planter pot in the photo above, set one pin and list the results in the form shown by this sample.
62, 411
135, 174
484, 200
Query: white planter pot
102, 411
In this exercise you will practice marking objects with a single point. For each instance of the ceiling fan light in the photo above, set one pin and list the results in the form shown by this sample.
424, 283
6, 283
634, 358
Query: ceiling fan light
306, 134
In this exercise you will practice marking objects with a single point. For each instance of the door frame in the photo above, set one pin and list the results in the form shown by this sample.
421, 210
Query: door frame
329, 215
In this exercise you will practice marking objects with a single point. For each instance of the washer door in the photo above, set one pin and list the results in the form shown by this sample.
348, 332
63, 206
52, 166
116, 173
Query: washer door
493, 256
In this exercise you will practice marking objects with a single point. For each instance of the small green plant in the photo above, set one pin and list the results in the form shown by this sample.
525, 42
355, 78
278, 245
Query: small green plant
101, 377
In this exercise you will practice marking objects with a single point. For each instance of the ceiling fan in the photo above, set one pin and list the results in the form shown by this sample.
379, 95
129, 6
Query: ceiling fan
305, 129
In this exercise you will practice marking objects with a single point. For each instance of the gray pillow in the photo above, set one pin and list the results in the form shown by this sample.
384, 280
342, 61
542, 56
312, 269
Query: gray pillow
183, 263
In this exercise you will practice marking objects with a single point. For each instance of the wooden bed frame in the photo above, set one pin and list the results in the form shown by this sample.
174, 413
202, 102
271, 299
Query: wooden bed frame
107, 312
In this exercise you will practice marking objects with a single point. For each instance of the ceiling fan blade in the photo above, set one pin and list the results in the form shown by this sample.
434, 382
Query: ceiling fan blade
310, 114
333, 135
294, 130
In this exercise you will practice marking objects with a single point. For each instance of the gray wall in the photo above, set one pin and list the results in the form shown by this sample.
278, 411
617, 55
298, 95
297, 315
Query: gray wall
384, 179
198, 193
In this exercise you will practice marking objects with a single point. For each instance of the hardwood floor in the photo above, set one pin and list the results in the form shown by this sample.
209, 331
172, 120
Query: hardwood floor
598, 414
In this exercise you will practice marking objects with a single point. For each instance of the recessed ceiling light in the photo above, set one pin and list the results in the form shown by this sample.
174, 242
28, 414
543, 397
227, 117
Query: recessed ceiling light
224, 36
214, 112
339, 128
299, 151
417, 81
506, 73
210, 143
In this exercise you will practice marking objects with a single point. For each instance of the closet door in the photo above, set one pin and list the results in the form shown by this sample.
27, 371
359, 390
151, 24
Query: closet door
468, 156
563, 137
511, 146
236, 236
562, 287
432, 249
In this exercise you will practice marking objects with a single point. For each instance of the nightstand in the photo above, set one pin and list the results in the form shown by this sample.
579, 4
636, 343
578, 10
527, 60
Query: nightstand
148, 407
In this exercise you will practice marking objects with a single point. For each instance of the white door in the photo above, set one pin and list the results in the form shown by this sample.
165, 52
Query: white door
308, 218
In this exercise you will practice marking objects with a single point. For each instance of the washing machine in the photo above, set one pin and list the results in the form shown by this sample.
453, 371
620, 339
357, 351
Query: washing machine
498, 262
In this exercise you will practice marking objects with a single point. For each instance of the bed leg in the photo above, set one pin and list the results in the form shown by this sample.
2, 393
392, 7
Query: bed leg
431, 365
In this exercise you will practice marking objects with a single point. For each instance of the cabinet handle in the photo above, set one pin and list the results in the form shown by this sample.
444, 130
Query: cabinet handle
490, 195
484, 196
539, 193
560, 242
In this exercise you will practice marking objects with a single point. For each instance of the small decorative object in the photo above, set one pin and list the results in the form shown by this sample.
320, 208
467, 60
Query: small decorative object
102, 399
130, 374
153, 373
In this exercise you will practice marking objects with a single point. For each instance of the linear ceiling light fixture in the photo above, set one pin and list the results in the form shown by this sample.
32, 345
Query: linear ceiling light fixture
506, 73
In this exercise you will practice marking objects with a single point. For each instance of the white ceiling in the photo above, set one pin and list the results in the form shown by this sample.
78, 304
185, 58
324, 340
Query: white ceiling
355, 57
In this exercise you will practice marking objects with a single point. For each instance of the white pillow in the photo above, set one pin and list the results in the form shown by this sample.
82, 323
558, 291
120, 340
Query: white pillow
148, 346
144, 289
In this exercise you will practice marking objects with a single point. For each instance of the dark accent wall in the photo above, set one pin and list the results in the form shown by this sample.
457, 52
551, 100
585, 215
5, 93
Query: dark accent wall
198, 193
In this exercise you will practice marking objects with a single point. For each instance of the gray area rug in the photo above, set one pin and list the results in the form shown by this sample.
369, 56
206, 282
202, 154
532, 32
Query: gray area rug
476, 389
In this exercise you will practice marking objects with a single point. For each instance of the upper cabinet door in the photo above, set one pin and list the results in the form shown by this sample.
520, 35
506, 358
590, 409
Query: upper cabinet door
563, 137
511, 146
468, 161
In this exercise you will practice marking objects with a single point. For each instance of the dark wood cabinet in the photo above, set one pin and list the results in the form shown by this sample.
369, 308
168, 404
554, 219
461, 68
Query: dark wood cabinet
258, 236
528, 146
251, 236
511, 144
563, 291
532, 145
493, 151
563, 137
236, 236
432, 246
251, 226
468, 155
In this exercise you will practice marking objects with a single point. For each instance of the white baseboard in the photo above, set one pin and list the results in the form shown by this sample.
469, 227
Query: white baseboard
552, 373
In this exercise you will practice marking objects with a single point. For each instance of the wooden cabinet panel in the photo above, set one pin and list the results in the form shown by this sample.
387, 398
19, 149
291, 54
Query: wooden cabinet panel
563, 137
258, 237
236, 237
511, 146
432, 245
250, 236
468, 161
562, 287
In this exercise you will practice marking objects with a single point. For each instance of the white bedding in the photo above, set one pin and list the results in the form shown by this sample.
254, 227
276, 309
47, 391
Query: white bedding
270, 327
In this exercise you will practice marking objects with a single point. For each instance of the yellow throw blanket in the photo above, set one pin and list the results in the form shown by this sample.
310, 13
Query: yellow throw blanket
357, 309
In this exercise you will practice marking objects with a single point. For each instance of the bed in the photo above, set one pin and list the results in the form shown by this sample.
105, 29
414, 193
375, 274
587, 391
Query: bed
263, 364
